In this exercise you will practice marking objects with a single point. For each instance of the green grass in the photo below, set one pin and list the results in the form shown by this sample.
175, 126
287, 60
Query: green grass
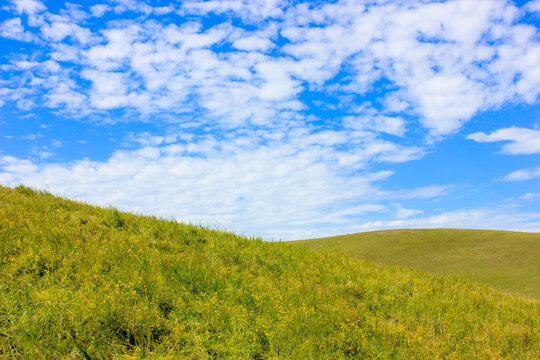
506, 260
81, 282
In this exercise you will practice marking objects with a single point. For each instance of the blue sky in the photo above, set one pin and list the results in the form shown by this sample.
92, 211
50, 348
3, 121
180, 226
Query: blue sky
280, 119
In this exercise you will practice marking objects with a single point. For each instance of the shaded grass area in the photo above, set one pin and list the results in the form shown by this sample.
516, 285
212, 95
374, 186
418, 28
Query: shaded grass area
506, 260
81, 282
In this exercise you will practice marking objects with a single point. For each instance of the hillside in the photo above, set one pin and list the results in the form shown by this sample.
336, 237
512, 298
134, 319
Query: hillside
81, 282
505, 260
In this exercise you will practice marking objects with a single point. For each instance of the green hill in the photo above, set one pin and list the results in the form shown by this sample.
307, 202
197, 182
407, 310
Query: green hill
506, 260
81, 282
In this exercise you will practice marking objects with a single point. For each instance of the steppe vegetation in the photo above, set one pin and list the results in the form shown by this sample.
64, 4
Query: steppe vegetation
505, 260
82, 282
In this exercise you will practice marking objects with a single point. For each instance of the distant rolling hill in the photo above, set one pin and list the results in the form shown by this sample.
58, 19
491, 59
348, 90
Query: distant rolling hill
506, 260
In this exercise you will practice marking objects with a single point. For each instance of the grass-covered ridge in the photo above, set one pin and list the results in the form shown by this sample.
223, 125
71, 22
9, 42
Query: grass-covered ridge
78, 281
505, 260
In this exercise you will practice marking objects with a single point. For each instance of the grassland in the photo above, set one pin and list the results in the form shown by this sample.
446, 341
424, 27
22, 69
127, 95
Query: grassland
506, 260
81, 282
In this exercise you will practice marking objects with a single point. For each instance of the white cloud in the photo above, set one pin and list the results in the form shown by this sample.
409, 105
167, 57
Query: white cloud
44, 154
444, 62
533, 6
175, 63
64, 52
253, 43
25, 104
99, 10
57, 31
13, 29
426, 192
13, 165
341, 216
498, 218
429, 64
523, 141
110, 89
29, 7
132, 5
257, 186
64, 95
522, 175
117, 49
531, 196
25, 65
379, 123
248, 10
162, 10
403, 213
146, 139
31, 136
278, 84
446, 101
437, 54
395, 103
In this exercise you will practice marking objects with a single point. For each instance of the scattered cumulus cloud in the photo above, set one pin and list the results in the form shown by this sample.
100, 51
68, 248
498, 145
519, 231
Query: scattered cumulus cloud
270, 185
253, 43
403, 213
445, 61
533, 6
250, 11
13, 29
99, 10
379, 123
243, 80
531, 196
522, 141
28, 7
522, 175
481, 218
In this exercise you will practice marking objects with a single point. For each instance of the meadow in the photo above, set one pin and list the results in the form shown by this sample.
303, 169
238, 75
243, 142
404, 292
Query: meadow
82, 282
505, 260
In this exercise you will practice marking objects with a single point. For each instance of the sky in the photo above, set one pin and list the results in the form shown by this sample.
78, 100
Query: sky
278, 119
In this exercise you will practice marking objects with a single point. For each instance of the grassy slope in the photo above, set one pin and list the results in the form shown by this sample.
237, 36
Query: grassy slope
503, 259
82, 282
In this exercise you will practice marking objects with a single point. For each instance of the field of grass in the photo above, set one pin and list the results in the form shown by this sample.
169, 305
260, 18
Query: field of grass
81, 282
506, 260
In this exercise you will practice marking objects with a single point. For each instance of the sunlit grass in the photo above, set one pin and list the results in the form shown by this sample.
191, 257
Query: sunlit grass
506, 260
78, 281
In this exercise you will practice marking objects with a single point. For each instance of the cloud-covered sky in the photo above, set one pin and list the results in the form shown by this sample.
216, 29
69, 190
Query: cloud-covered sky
280, 119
